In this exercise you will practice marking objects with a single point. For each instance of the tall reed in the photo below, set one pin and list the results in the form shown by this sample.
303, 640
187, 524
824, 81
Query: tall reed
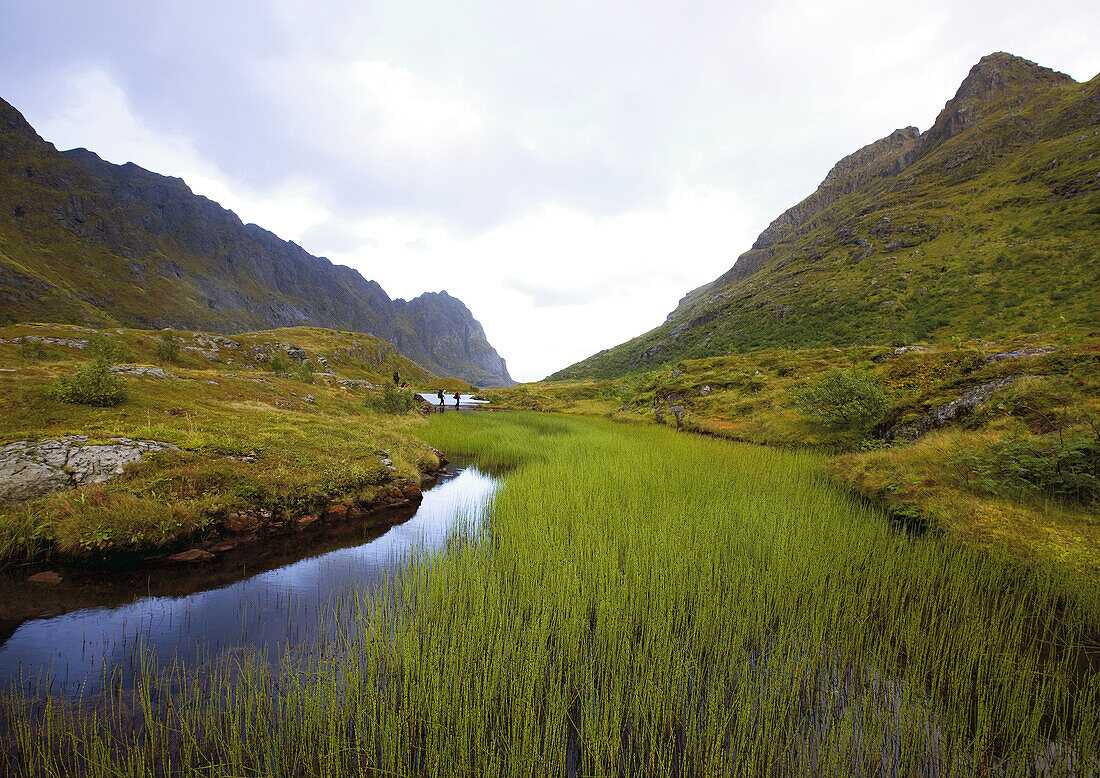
641, 603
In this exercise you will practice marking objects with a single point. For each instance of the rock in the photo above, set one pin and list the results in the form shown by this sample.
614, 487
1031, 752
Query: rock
191, 555
306, 521
942, 415
147, 371
411, 491
221, 548
45, 578
337, 512
1024, 352
33, 469
309, 399
67, 342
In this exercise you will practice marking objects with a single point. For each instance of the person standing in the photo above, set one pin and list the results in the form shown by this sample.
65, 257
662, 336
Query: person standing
439, 394
396, 378
458, 396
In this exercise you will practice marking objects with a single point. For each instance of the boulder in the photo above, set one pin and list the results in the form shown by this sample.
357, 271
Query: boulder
943, 415
29, 470
306, 521
45, 578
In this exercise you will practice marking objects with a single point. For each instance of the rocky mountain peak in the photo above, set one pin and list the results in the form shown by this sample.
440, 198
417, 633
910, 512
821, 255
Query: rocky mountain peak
997, 77
17, 138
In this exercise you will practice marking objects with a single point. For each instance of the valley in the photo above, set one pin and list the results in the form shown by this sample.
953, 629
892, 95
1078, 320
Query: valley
838, 515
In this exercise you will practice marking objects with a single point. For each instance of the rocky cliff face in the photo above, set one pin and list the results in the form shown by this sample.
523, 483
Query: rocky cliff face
86, 241
984, 225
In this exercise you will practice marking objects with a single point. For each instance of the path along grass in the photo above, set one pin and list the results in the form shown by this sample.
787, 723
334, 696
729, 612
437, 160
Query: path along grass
646, 603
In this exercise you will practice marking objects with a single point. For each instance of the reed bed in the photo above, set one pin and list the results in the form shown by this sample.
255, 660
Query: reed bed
640, 603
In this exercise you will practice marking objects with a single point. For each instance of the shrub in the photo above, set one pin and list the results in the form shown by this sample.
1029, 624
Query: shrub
1066, 468
32, 350
281, 364
168, 347
390, 400
849, 397
94, 384
304, 372
109, 349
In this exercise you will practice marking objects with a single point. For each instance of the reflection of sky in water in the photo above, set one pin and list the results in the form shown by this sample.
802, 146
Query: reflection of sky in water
269, 611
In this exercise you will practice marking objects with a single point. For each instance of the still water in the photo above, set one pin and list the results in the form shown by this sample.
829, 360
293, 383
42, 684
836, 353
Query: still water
266, 612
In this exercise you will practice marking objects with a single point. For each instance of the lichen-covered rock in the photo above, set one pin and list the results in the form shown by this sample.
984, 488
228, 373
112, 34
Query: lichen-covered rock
34, 469
943, 415
147, 371
1023, 352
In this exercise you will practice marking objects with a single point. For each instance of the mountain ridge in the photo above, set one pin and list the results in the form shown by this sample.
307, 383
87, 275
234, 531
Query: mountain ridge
1000, 168
85, 241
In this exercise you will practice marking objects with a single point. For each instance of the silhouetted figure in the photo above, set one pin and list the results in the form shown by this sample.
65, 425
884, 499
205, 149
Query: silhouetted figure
458, 396
396, 378
439, 394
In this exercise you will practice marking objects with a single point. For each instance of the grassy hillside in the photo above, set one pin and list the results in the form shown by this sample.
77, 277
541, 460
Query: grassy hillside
256, 429
83, 241
1019, 474
986, 226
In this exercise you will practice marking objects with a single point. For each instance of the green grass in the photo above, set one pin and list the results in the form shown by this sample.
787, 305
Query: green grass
752, 397
643, 603
250, 439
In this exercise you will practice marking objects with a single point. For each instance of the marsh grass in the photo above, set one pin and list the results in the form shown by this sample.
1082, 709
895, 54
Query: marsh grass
249, 440
643, 603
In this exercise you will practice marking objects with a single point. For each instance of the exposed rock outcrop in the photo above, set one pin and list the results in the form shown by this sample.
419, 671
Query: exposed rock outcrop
35, 469
943, 415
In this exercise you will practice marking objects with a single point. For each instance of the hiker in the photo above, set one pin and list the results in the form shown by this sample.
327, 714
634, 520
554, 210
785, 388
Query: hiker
458, 396
439, 394
396, 378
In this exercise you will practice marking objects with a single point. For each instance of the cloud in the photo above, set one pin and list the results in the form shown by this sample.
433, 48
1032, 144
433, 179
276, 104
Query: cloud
569, 170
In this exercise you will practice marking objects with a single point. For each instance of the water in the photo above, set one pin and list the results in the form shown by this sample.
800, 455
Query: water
265, 612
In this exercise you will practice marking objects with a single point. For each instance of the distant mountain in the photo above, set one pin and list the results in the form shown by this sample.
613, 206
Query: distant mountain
84, 241
985, 225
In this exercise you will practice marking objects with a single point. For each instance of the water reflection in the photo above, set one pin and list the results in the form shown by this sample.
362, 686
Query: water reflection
269, 611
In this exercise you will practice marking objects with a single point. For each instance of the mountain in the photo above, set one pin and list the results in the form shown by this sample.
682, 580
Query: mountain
985, 225
84, 241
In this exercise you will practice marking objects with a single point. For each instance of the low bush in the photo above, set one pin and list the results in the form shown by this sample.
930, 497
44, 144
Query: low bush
843, 397
32, 350
1065, 468
167, 347
304, 372
281, 364
94, 384
390, 400
109, 349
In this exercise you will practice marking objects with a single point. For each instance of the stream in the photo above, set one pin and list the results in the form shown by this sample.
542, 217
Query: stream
271, 602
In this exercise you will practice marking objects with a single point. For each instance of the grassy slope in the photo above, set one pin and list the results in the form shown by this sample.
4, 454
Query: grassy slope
306, 453
1005, 225
619, 620
747, 397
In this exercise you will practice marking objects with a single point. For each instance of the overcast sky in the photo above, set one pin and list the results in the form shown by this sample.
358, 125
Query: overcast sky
569, 169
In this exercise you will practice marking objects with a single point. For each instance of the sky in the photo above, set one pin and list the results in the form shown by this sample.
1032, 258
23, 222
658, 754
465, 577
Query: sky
569, 170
